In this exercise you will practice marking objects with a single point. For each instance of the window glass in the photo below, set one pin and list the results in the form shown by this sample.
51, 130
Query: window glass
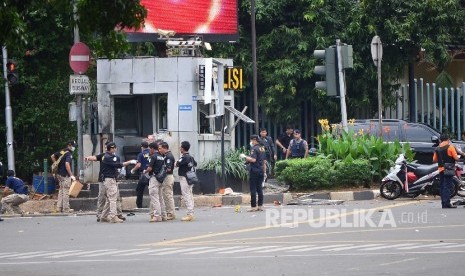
205, 123
418, 133
390, 130
127, 116
162, 108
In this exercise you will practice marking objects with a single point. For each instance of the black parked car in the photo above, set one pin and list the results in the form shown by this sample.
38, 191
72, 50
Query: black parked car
422, 138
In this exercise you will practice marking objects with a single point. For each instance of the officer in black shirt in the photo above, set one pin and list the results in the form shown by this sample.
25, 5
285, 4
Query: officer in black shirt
270, 154
185, 164
101, 190
167, 186
283, 141
156, 165
256, 173
65, 175
108, 173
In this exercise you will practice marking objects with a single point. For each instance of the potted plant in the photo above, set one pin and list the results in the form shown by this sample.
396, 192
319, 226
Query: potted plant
209, 173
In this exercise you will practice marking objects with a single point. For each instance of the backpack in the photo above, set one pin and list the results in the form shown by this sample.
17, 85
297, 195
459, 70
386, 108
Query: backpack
56, 164
191, 175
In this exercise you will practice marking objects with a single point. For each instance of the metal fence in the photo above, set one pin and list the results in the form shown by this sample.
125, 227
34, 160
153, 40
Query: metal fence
441, 108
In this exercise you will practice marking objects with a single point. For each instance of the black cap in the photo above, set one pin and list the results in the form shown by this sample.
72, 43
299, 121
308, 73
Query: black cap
111, 145
296, 131
144, 144
72, 143
10, 173
254, 137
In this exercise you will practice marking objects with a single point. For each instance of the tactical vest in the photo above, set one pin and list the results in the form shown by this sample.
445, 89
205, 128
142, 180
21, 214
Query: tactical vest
297, 148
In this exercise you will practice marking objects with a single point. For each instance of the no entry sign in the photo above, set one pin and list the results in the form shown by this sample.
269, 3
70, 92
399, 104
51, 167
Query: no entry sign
79, 58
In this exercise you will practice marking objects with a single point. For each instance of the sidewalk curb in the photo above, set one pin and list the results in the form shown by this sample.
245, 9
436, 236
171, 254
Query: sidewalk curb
85, 206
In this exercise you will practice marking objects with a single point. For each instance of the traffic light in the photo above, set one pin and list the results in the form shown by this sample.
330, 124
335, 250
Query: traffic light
329, 70
12, 74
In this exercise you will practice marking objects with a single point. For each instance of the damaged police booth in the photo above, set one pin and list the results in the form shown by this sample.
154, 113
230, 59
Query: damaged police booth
172, 98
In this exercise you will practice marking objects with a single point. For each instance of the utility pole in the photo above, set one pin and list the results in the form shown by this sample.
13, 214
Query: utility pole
377, 55
80, 172
8, 115
342, 85
254, 66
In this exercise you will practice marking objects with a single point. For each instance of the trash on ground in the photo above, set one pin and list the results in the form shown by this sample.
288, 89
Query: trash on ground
308, 200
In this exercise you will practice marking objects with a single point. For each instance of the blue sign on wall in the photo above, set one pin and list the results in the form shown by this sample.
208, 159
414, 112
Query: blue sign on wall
185, 107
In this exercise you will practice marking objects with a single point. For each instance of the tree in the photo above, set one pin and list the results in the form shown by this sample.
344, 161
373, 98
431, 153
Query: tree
39, 37
289, 31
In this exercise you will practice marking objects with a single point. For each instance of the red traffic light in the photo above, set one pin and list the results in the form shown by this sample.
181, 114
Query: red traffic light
12, 75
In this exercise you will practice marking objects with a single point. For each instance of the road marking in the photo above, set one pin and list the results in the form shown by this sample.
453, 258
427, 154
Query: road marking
398, 262
9, 253
287, 248
213, 250
424, 245
23, 254
351, 247
316, 248
146, 251
178, 251
235, 241
80, 253
252, 229
47, 254
111, 253
388, 246
450, 246
248, 249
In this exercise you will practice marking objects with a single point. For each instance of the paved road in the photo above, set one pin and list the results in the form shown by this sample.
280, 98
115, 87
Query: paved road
359, 238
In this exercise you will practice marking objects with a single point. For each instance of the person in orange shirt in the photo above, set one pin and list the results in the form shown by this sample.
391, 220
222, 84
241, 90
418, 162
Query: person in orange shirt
445, 153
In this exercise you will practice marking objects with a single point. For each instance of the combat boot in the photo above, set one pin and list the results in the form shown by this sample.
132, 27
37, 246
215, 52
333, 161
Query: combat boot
116, 220
170, 217
155, 219
188, 218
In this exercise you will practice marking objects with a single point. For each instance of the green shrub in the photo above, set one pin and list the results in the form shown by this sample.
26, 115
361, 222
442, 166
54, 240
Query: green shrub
310, 173
324, 173
341, 145
351, 173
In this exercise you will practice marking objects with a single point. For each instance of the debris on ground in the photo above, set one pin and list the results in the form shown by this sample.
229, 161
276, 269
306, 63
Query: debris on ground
309, 200
272, 186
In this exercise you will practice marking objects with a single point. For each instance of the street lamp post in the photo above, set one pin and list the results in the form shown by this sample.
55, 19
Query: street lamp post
8, 115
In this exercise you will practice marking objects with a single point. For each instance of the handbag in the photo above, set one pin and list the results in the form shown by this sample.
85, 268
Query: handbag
191, 176
449, 169
144, 178
161, 175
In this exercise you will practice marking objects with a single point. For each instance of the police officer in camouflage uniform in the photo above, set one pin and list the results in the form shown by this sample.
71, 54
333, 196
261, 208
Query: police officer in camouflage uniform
109, 171
64, 175
167, 186
156, 164
101, 198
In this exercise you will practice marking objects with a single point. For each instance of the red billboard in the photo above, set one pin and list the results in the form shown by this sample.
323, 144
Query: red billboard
214, 20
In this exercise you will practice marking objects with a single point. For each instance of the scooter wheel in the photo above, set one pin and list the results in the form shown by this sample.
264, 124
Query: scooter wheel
461, 187
390, 190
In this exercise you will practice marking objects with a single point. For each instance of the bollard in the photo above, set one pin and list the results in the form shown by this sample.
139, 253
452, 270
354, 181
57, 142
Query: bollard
45, 176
